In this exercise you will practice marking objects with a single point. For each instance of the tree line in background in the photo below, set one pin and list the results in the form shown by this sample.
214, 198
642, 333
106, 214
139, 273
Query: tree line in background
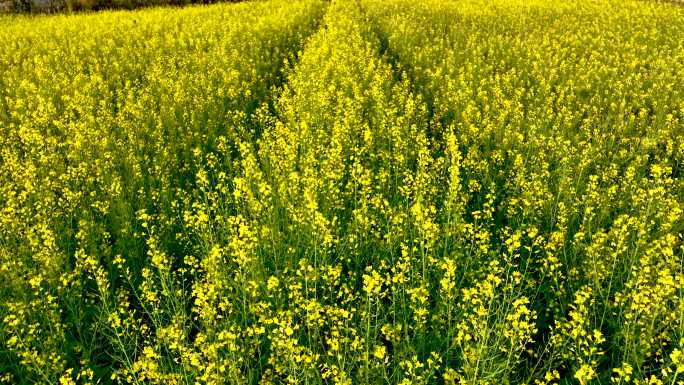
50, 6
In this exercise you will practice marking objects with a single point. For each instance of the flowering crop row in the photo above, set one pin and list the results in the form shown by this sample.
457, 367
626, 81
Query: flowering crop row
570, 117
104, 119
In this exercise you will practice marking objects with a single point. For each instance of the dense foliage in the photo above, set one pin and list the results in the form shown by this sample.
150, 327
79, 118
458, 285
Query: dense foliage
354, 192
69, 6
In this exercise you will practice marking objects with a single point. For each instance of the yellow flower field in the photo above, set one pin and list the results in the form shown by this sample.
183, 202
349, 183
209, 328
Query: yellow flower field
344, 192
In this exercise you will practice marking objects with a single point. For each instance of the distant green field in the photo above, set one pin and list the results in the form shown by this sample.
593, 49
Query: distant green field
347, 192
